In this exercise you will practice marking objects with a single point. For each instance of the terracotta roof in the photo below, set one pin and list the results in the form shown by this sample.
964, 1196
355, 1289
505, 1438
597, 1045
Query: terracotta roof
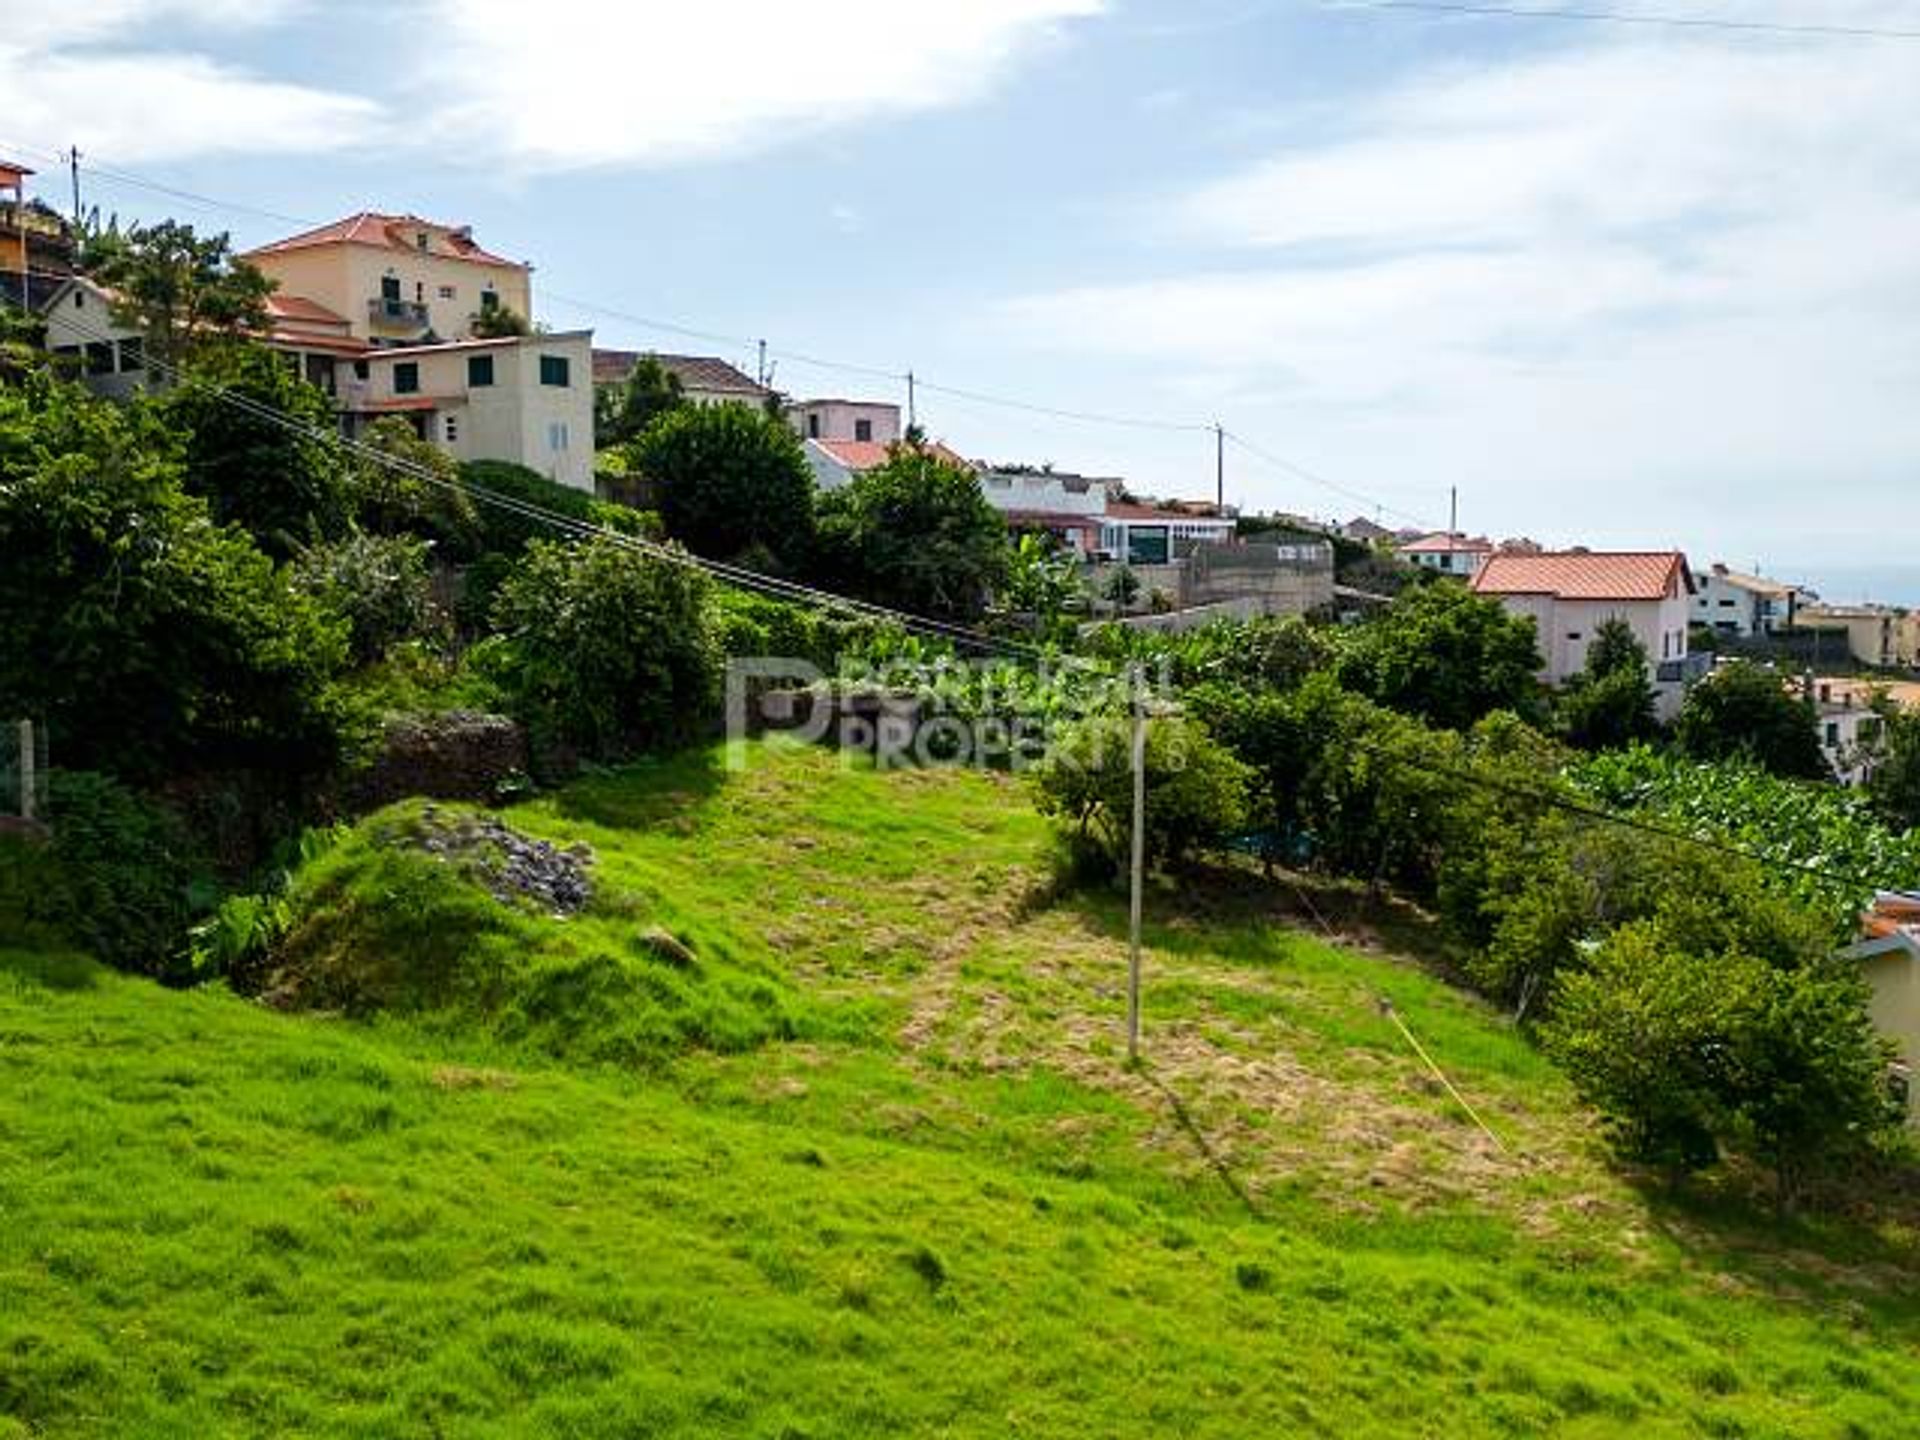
310, 340
1123, 510
1757, 583
1585, 574
1440, 542
299, 308
706, 373
388, 232
383, 352
862, 455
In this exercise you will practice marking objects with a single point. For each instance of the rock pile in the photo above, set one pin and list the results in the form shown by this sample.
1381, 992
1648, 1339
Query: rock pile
512, 866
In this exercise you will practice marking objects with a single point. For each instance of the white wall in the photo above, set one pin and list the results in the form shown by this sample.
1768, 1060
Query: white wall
839, 420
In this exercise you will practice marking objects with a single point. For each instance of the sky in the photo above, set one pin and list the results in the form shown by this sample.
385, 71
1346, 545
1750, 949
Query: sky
1620, 285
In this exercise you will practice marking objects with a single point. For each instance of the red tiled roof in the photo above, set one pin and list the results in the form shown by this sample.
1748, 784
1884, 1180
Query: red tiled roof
386, 352
861, 455
299, 308
1123, 510
1441, 542
388, 232
707, 373
308, 340
1585, 574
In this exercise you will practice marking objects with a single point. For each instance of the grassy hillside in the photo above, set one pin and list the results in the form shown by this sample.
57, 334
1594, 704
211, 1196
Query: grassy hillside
813, 1124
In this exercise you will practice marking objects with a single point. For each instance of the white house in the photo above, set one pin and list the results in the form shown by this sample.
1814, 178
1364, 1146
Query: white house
1071, 508
109, 358
1569, 594
836, 462
864, 420
1745, 605
524, 398
1449, 553
1158, 534
1888, 954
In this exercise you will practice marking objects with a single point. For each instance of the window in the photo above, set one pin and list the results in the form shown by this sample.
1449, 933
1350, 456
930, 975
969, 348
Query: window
319, 370
406, 377
133, 356
479, 371
1727, 604
863, 429
1574, 635
359, 369
451, 425
489, 302
420, 292
1833, 733
390, 287
420, 240
554, 371
79, 300
99, 357
813, 427
557, 435
446, 292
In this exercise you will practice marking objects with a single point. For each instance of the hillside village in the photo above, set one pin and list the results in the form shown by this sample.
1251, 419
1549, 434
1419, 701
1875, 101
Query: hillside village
449, 966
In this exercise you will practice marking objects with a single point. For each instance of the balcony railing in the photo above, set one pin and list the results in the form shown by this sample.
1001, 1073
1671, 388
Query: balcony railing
390, 314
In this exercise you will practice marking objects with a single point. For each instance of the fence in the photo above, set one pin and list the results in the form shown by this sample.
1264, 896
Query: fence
23, 769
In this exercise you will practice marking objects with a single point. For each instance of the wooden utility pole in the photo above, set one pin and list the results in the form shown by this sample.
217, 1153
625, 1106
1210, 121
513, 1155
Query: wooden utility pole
73, 167
912, 418
29, 781
1219, 468
1137, 866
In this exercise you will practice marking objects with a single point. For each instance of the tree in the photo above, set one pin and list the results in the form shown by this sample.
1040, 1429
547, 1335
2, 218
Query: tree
1742, 711
147, 636
183, 292
1609, 704
1121, 588
404, 485
260, 448
621, 414
1196, 791
1446, 655
499, 323
605, 651
915, 533
731, 480
1894, 785
376, 583
1042, 582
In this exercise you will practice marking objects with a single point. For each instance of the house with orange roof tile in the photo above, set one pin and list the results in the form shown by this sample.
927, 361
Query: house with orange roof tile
1449, 553
1569, 594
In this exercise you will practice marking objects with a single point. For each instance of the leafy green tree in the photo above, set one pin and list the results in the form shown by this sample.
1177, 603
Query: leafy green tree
1196, 791
622, 414
1894, 786
260, 448
404, 485
606, 652
916, 534
1742, 711
1042, 583
1121, 587
147, 636
500, 323
731, 479
1447, 656
376, 583
1609, 704
183, 292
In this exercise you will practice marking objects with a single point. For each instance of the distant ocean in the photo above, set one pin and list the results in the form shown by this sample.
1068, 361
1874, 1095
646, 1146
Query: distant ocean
1851, 584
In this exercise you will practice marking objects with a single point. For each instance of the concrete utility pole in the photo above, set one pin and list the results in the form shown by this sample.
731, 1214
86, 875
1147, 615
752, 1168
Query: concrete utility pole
1137, 866
760, 373
73, 166
29, 781
1453, 522
912, 418
1219, 468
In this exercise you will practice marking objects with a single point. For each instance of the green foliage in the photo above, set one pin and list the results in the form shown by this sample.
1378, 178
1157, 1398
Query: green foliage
410, 486
1691, 1052
499, 322
187, 294
746, 624
1609, 705
1447, 656
915, 534
732, 479
1267, 652
1196, 791
623, 413
1121, 587
120, 877
1789, 823
607, 652
1745, 712
1042, 588
1893, 788
284, 486
146, 636
376, 583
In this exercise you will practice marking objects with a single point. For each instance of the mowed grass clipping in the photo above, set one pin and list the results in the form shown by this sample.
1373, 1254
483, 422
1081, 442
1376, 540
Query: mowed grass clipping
951, 1214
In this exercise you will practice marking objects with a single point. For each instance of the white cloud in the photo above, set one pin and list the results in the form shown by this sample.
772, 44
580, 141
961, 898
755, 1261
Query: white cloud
1636, 289
593, 84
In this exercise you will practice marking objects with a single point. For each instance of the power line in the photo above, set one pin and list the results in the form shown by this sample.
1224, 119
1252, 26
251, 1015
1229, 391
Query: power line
1617, 17
1301, 472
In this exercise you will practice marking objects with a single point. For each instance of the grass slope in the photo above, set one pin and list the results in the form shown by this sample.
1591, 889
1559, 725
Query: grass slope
928, 1200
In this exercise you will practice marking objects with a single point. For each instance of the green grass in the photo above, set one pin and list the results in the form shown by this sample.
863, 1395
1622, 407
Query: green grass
929, 1200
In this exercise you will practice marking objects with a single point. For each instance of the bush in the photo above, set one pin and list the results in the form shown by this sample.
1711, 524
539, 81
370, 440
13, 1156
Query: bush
731, 479
376, 583
507, 532
410, 486
1446, 656
605, 652
1196, 791
1744, 712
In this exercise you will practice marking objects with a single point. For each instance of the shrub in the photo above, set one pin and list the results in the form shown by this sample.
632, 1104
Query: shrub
1196, 791
376, 583
1744, 712
606, 652
731, 478
1446, 656
410, 486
